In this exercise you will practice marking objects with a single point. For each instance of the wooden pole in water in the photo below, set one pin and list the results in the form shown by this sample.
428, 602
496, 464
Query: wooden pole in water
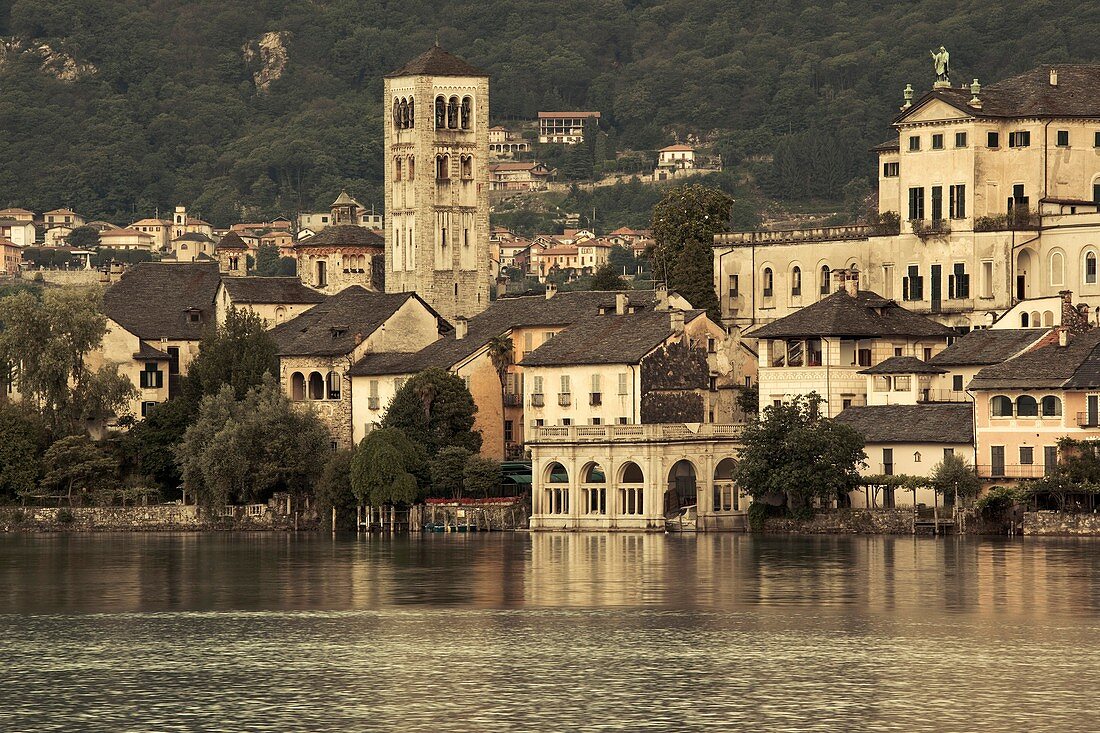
334, 520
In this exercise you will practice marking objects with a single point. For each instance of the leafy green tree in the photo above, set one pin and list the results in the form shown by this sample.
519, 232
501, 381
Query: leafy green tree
334, 490
447, 470
239, 353
748, 400
84, 237
953, 477
794, 454
608, 278
388, 468
684, 224
45, 342
75, 463
435, 409
151, 442
270, 264
246, 450
23, 438
481, 477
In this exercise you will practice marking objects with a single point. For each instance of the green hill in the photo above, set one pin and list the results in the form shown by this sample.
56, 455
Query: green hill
160, 102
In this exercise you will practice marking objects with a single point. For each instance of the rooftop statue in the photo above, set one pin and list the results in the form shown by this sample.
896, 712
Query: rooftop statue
941, 60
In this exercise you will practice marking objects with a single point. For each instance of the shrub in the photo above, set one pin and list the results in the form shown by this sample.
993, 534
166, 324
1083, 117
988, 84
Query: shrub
758, 512
18, 516
997, 500
65, 515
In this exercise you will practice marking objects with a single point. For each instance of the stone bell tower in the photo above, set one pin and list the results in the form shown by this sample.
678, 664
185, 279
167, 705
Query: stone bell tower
437, 193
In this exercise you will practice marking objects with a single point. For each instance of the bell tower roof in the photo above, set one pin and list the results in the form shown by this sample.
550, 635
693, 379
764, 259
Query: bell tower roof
437, 62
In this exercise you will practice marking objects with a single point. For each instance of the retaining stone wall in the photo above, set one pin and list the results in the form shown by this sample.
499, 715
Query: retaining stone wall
167, 517
1058, 524
852, 521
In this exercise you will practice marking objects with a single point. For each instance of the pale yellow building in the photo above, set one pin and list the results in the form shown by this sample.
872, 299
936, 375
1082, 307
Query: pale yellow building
995, 188
127, 239
274, 299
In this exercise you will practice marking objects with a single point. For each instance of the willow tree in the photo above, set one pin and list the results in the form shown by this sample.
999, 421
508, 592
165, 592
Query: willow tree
388, 468
684, 224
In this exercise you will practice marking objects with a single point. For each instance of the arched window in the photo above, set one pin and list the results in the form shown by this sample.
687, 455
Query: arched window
297, 387
467, 112
1002, 406
397, 169
796, 281
632, 474
631, 489
440, 112
1052, 406
397, 122
412, 115
280, 316
1036, 319
1048, 318
412, 168
1090, 268
916, 456
452, 113
1026, 406
467, 167
1024, 320
1057, 269
826, 277
556, 474
442, 167
769, 282
332, 384
316, 386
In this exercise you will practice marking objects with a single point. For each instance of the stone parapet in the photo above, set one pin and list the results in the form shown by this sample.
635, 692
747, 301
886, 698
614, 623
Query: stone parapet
1054, 524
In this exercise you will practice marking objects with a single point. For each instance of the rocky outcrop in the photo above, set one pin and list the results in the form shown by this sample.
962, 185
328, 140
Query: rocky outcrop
267, 58
58, 64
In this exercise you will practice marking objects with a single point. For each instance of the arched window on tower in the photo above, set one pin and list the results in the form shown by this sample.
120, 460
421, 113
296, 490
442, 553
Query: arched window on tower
405, 114
452, 113
467, 112
467, 167
412, 168
397, 169
442, 167
412, 115
440, 113
397, 113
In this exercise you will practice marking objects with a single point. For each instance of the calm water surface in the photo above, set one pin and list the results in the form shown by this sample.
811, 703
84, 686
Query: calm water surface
274, 632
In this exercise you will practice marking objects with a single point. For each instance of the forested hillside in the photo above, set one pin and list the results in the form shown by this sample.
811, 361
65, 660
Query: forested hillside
120, 106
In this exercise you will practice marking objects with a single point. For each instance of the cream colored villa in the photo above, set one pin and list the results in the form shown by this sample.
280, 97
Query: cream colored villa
996, 190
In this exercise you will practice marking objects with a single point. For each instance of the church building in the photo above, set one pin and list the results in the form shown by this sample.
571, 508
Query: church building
437, 198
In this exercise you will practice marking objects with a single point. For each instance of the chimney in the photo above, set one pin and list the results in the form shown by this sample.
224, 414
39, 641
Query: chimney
1054, 77
551, 290
1073, 320
851, 282
502, 287
620, 304
461, 327
1063, 336
660, 297
676, 320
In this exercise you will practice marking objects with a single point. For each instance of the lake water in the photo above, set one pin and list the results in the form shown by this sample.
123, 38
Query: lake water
501, 632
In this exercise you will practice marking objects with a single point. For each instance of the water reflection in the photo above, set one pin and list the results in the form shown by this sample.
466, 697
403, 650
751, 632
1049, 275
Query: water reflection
546, 632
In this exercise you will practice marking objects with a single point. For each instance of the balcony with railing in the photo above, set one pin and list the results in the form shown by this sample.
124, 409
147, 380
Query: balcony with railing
805, 234
633, 433
944, 395
565, 399
1027, 470
1020, 218
1086, 420
538, 399
511, 399
930, 227
595, 399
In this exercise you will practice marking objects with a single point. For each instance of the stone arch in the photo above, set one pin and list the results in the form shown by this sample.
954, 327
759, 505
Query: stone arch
1027, 406
1001, 406
397, 122
825, 281
467, 113
440, 112
315, 387
796, 280
1025, 273
442, 167
682, 488
1088, 267
297, 387
556, 473
1036, 319
280, 315
1051, 406
1025, 320
631, 489
594, 488
767, 281
467, 166
412, 113
1048, 318
452, 113
725, 494
556, 493
631, 473
332, 385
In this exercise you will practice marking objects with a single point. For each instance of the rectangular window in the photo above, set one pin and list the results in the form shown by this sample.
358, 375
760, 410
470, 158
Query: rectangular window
146, 407
622, 421
958, 284
624, 380
596, 383
1050, 458
528, 341
914, 143
957, 383
937, 203
565, 384
536, 385
888, 281
1019, 139
916, 203
151, 376
993, 139
863, 357
1062, 139
912, 285
1027, 455
595, 421
987, 279
508, 431
733, 286
958, 201
1096, 140
888, 461
960, 139
891, 170
997, 460
567, 421
937, 141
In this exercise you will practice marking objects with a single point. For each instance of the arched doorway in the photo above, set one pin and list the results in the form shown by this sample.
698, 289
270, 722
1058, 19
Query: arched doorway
681, 490
557, 489
631, 489
594, 489
1024, 275
725, 492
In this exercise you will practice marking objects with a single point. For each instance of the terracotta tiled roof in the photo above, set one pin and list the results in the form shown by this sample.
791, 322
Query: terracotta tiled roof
437, 62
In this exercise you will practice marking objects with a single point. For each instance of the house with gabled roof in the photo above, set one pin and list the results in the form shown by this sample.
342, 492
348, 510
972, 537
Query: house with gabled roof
274, 299
318, 347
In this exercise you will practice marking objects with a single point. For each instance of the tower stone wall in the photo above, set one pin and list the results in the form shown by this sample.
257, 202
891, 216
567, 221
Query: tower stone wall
437, 197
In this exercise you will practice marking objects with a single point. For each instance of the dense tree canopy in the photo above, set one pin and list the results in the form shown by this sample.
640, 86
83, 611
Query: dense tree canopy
434, 409
238, 352
166, 106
